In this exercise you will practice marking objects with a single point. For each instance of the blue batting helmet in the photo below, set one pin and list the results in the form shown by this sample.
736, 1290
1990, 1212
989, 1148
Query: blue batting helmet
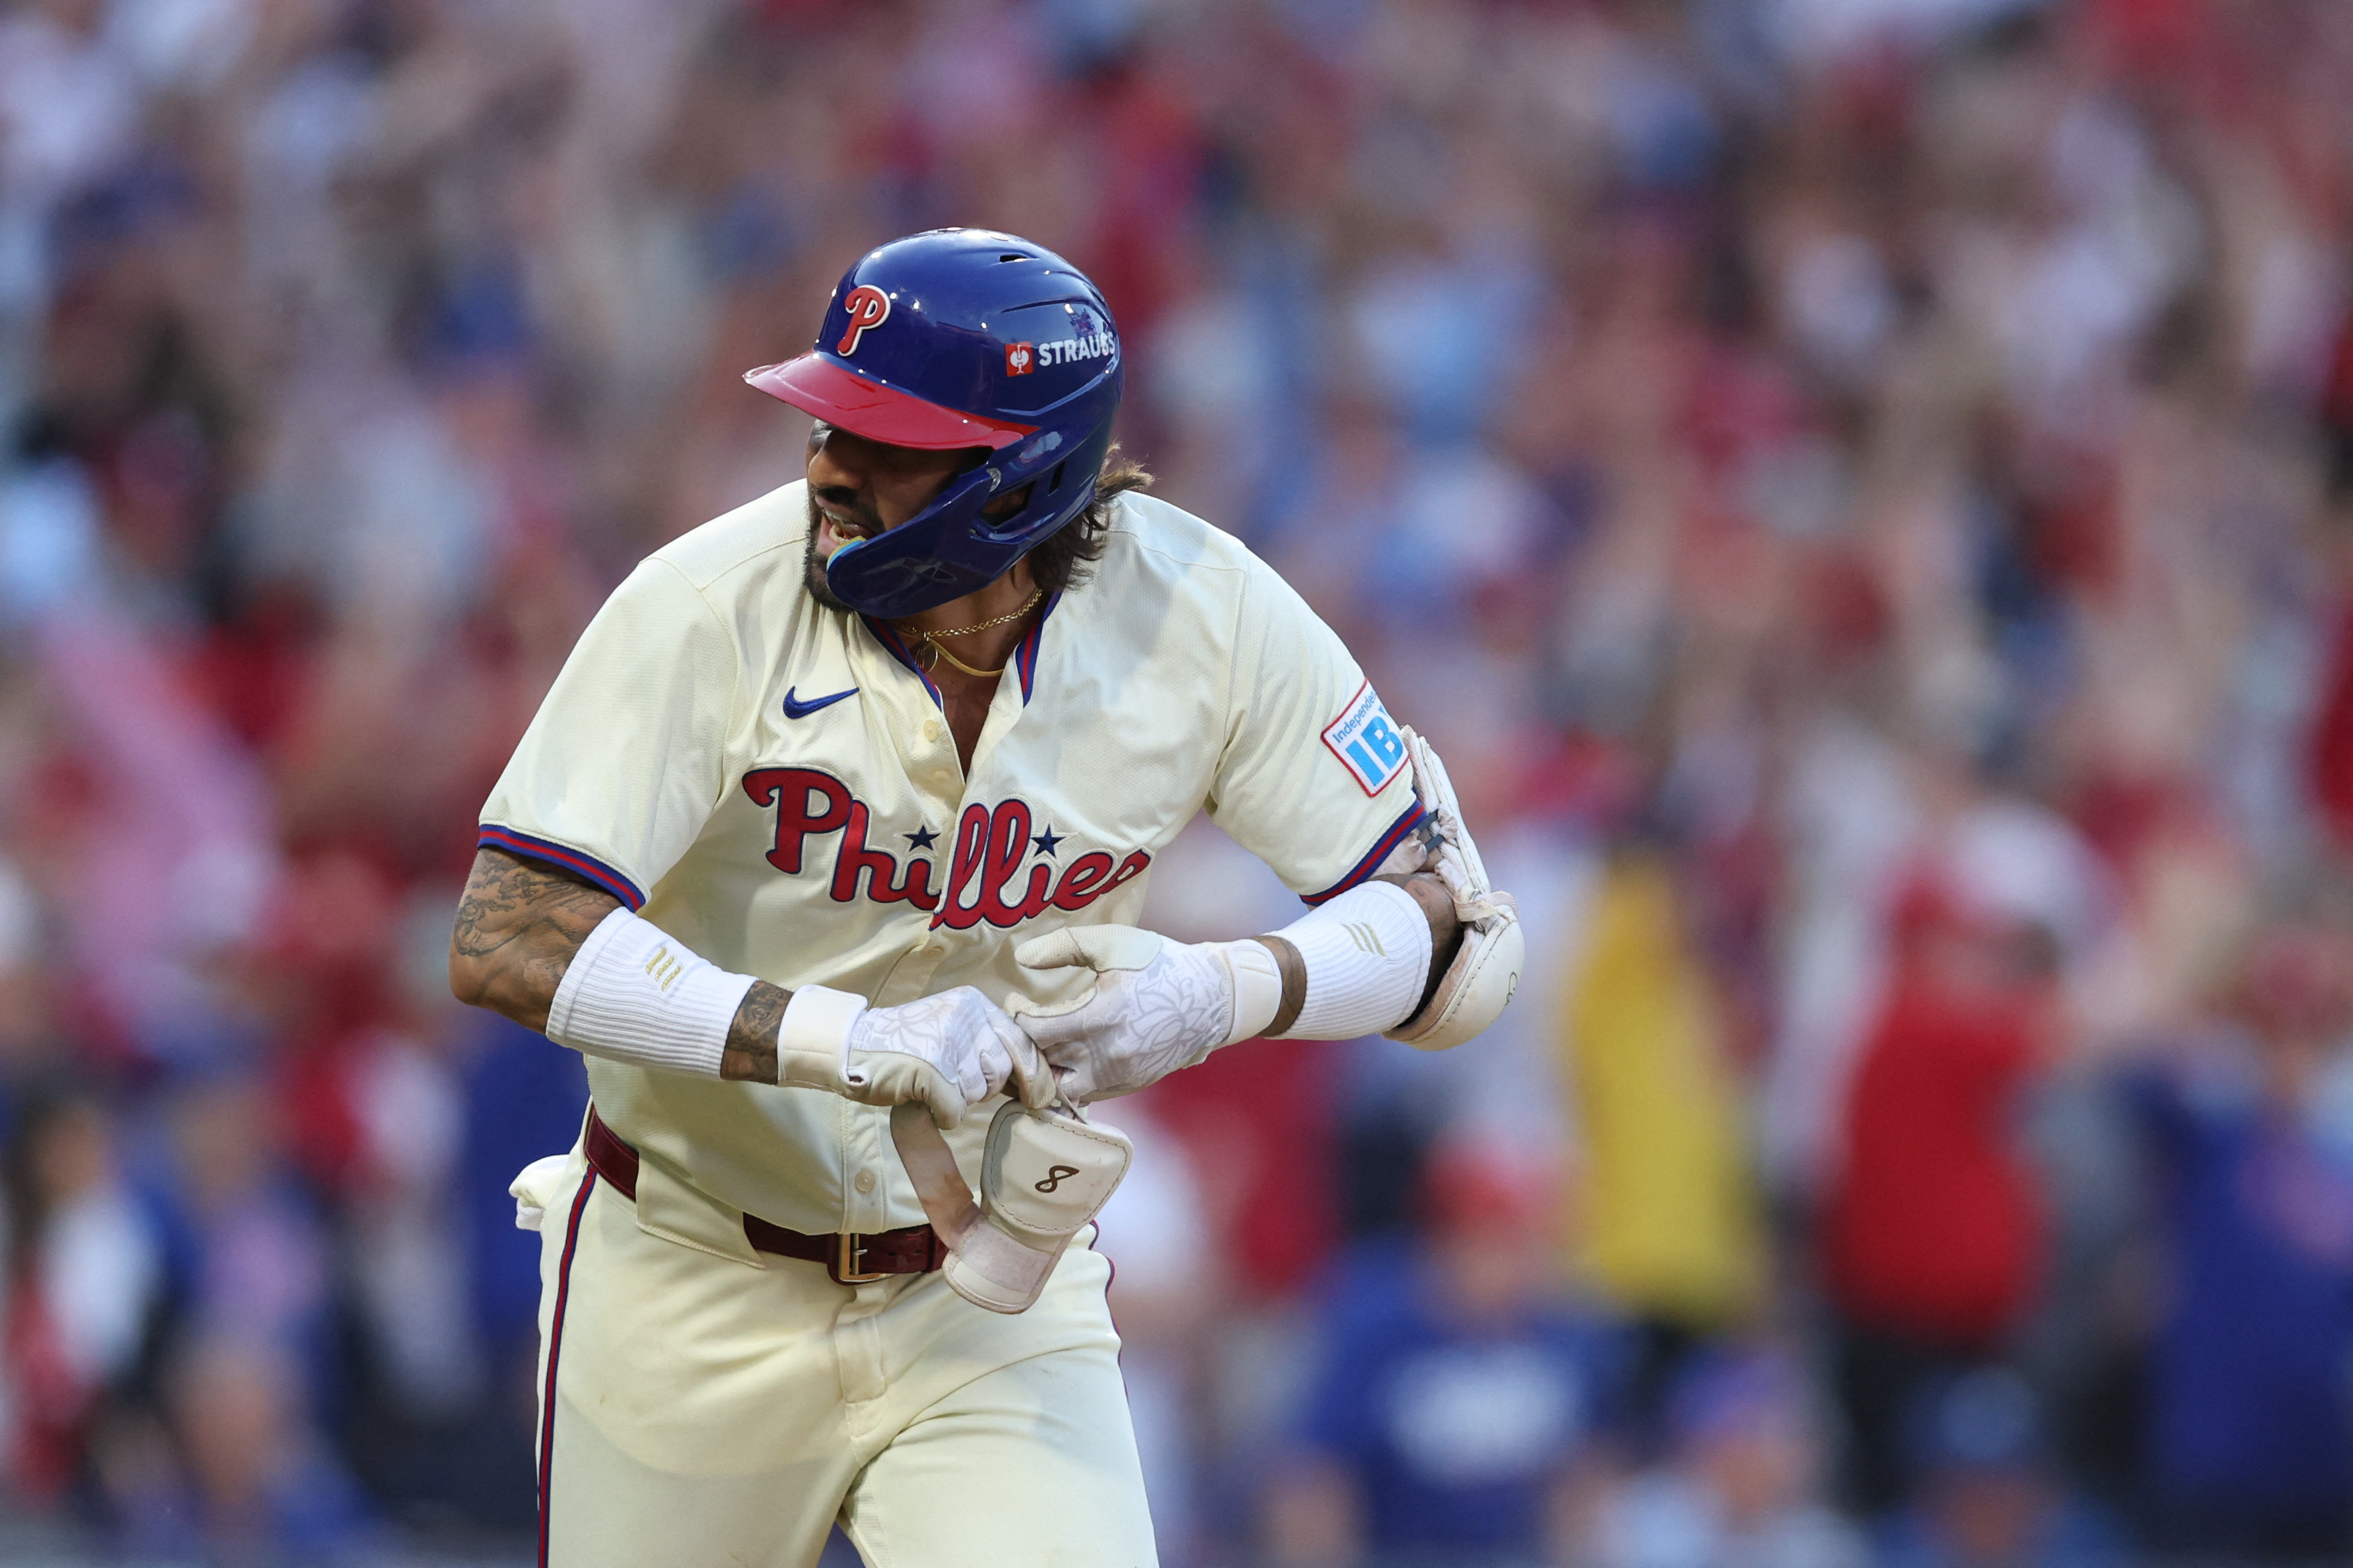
956, 338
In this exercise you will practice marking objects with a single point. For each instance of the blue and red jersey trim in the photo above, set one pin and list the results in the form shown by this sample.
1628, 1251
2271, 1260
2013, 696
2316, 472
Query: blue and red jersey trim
496, 838
900, 651
1025, 656
1413, 816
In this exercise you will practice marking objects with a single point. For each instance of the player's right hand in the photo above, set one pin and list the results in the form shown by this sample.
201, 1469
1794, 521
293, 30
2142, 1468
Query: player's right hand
948, 1052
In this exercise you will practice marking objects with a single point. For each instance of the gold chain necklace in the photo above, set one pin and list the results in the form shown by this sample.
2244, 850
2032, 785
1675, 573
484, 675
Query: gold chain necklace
930, 639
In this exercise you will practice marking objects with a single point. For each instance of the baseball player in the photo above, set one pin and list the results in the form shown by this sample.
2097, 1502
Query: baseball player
831, 834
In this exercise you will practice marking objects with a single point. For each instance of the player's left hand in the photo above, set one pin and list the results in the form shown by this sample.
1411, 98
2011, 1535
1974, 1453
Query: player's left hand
1156, 1006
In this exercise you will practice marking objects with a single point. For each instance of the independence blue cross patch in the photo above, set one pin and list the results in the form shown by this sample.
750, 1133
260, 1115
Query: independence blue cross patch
1365, 741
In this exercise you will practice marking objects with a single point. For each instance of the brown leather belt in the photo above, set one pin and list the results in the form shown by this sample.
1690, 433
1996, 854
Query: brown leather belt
850, 1257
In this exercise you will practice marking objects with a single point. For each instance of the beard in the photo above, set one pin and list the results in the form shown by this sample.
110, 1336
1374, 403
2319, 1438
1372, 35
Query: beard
813, 576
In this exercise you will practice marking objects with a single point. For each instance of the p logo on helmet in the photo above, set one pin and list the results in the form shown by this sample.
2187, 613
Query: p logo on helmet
867, 306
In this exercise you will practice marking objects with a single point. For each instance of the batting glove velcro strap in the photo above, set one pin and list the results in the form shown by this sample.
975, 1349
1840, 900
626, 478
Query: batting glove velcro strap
1044, 1175
813, 1039
1366, 954
635, 994
1479, 983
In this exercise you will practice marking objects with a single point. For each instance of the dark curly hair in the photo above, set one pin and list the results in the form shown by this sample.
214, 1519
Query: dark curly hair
1062, 560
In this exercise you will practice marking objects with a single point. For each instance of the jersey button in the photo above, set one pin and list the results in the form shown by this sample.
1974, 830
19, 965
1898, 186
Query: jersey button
864, 1181
931, 729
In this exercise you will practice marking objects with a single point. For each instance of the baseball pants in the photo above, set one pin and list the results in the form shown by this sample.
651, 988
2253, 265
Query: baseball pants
696, 1410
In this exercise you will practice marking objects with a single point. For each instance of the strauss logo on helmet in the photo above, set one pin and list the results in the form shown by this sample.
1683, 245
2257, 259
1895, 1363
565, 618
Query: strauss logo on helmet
1019, 359
867, 306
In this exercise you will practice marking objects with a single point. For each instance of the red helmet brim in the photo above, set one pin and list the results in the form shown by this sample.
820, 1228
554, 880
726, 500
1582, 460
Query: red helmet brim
819, 387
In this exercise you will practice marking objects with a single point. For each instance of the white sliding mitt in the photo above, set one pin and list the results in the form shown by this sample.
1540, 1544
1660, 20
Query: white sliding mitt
1044, 1174
947, 1052
1155, 1004
1478, 984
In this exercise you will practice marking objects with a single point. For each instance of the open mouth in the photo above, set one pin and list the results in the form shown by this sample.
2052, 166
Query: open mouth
840, 529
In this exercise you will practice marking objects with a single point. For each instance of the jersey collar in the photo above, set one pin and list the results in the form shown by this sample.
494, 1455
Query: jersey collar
1025, 652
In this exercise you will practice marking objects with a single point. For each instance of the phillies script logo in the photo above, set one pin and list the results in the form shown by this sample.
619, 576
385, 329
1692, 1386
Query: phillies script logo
986, 880
867, 306
1020, 359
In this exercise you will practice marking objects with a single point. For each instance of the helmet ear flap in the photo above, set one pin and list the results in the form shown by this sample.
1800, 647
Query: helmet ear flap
1058, 493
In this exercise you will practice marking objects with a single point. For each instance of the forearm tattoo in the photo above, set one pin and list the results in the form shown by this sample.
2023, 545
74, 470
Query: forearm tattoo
751, 1037
519, 923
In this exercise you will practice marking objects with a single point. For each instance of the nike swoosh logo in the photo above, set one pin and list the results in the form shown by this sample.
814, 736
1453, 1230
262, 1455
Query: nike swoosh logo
795, 709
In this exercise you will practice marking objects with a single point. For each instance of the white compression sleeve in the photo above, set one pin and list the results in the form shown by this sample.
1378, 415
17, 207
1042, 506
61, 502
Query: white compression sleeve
635, 994
1366, 954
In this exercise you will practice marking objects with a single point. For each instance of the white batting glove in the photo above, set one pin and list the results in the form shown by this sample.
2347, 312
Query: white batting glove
947, 1052
1156, 1005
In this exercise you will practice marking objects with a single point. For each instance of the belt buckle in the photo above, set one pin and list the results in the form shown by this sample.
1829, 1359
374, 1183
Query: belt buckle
849, 1247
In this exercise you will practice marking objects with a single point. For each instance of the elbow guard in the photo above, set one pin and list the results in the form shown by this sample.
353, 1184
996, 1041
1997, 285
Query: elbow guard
1478, 986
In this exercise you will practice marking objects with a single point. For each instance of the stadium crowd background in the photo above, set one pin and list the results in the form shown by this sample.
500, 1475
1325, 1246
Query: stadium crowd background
1857, 488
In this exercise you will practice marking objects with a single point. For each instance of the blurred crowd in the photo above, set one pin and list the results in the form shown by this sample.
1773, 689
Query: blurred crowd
1859, 490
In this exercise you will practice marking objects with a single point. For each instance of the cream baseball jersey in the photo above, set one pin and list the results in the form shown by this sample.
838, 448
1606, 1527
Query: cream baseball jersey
773, 784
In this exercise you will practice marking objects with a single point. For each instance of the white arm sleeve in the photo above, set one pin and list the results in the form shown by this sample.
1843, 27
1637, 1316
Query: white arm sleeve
635, 994
1366, 953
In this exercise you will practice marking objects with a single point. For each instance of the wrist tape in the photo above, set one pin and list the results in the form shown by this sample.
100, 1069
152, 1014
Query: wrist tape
813, 1040
635, 994
1257, 988
1366, 954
